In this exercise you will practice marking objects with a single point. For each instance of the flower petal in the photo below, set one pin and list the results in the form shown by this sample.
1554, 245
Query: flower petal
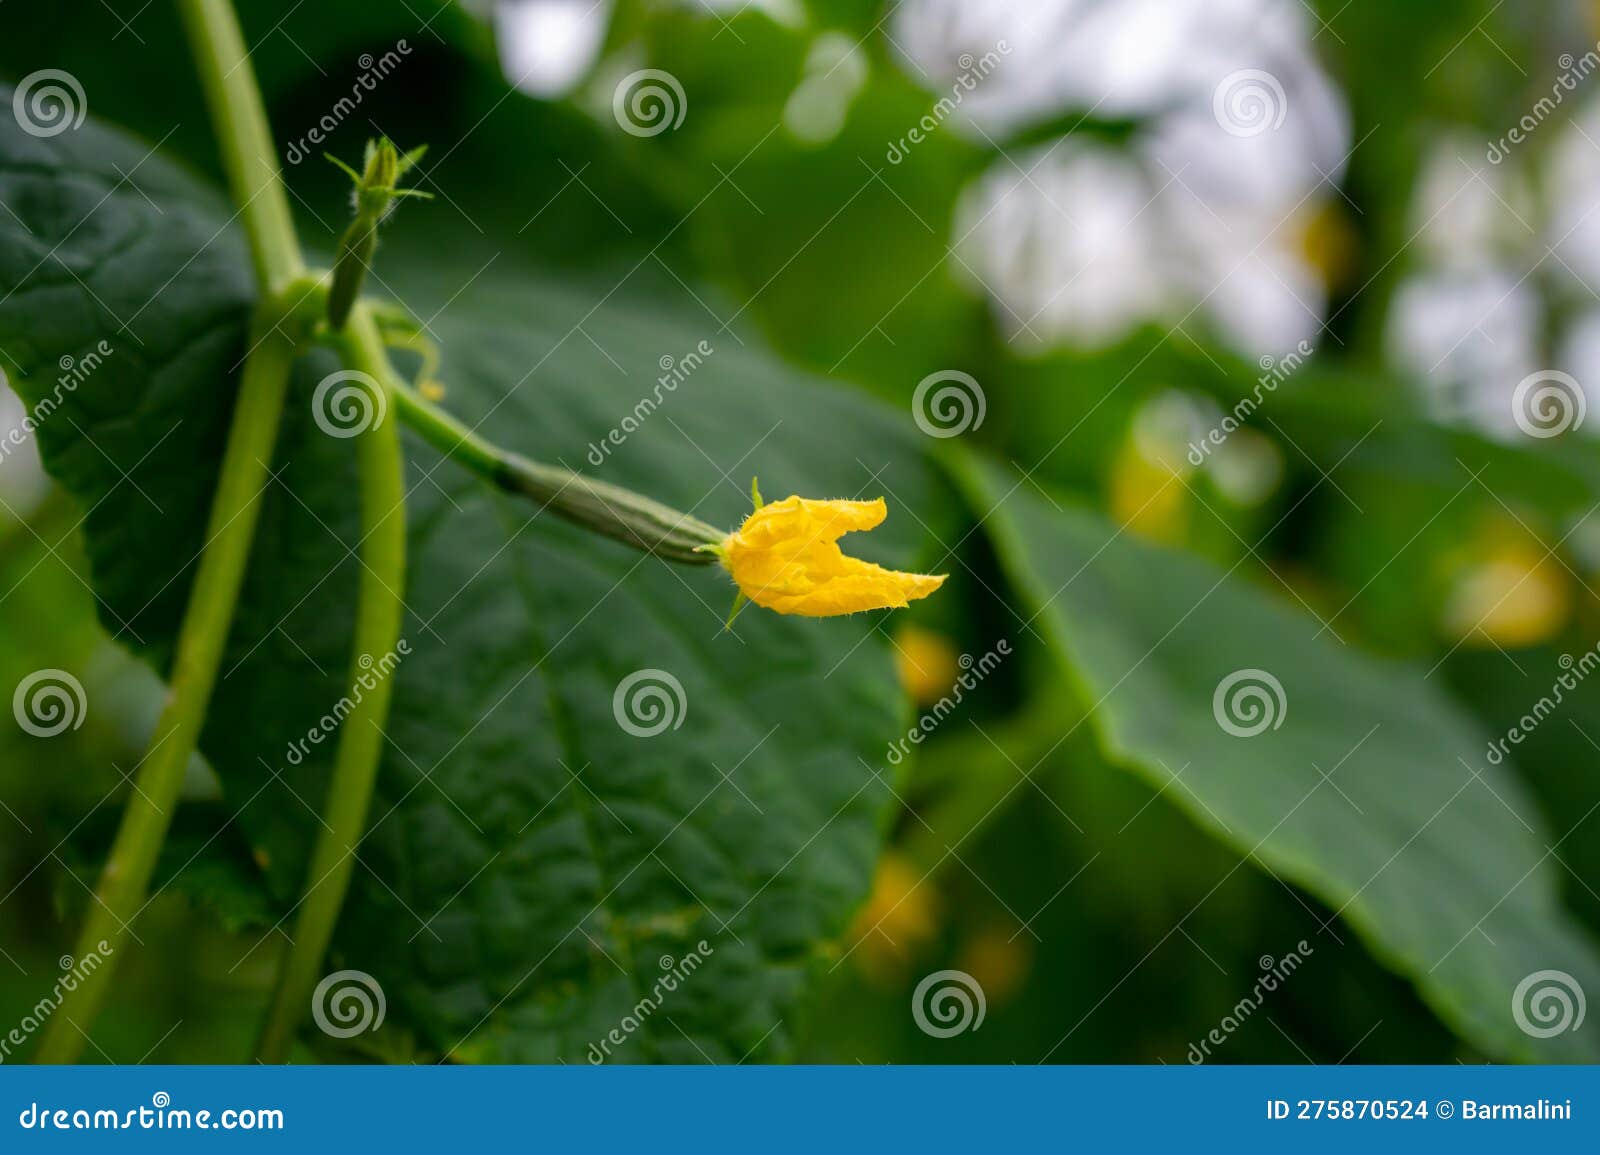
786, 558
807, 521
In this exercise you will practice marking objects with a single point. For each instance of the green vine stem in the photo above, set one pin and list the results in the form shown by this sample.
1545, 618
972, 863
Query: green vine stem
357, 246
283, 322
280, 327
609, 510
379, 615
125, 880
239, 123
376, 189
606, 509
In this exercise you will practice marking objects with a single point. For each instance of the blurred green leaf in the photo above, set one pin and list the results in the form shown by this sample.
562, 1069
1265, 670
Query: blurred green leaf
1347, 776
1556, 753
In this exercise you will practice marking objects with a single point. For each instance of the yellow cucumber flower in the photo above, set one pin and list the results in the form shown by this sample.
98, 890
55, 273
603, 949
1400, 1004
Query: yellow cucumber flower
927, 663
786, 557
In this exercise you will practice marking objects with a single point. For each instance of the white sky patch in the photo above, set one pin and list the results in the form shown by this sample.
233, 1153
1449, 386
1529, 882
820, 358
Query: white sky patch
1469, 322
1098, 238
548, 46
1065, 250
1191, 216
1574, 191
1467, 337
22, 480
1466, 213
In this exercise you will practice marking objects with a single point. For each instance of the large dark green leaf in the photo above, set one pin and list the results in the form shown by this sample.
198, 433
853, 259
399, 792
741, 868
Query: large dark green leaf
1364, 784
530, 864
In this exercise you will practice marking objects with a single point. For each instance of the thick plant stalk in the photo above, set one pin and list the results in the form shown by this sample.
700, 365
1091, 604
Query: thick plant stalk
280, 326
125, 880
239, 123
378, 621
357, 247
376, 190
246, 143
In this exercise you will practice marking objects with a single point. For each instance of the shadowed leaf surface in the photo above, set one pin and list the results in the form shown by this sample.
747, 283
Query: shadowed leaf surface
1358, 780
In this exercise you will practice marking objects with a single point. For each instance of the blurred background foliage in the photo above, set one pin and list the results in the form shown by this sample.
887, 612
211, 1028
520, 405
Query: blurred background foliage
1114, 282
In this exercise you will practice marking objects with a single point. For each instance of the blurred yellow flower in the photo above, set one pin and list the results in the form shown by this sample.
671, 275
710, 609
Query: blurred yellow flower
998, 960
1329, 243
786, 557
900, 917
1149, 498
926, 661
1511, 593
